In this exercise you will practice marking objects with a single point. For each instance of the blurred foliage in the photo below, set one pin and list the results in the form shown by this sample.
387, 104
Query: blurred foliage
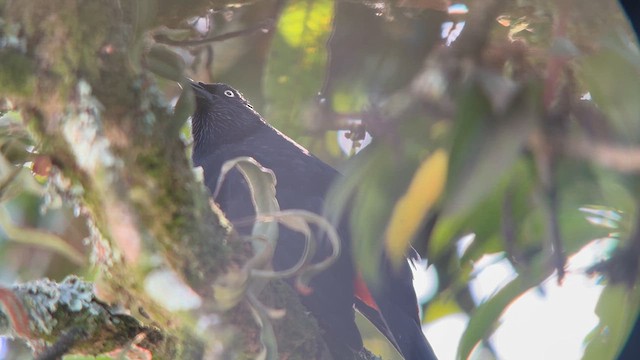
535, 170
296, 62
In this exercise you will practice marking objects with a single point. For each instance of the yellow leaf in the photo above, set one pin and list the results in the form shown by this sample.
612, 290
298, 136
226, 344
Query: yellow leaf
410, 210
441, 307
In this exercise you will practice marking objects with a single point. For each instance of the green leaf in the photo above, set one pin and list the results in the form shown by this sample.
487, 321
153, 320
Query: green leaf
29, 236
621, 199
367, 225
487, 219
617, 309
164, 62
486, 143
369, 188
611, 76
443, 305
296, 64
184, 108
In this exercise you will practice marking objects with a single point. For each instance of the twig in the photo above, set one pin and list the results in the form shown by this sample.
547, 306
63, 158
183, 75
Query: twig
264, 26
595, 147
625, 159
559, 258
556, 64
508, 226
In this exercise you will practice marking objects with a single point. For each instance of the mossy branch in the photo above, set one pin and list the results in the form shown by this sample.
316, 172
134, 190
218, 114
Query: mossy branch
111, 137
69, 316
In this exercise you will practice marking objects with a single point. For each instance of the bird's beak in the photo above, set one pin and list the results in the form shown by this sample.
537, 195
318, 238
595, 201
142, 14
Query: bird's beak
198, 89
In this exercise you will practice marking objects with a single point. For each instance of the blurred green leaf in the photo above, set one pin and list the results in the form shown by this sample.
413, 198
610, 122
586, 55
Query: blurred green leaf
367, 224
295, 67
620, 198
487, 219
617, 309
372, 183
486, 144
612, 76
37, 237
513, 205
185, 106
163, 61
440, 308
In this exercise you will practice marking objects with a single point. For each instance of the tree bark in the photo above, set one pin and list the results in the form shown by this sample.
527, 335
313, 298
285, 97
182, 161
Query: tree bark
75, 70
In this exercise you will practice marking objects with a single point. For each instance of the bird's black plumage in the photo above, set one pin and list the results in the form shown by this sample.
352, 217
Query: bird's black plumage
224, 127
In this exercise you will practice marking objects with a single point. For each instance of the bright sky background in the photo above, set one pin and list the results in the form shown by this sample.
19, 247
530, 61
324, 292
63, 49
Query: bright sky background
548, 323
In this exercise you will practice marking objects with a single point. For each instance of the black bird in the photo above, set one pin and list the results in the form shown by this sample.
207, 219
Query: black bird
224, 127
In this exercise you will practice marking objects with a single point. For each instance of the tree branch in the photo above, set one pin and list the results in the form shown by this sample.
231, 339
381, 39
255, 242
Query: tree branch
117, 155
69, 315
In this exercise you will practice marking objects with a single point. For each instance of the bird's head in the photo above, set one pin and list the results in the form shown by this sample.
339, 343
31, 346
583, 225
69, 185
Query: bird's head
212, 93
222, 114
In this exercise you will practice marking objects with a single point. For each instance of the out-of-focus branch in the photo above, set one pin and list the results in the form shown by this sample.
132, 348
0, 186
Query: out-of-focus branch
474, 38
445, 68
623, 265
622, 158
264, 26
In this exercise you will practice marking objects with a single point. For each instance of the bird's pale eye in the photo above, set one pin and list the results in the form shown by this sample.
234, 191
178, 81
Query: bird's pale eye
229, 93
